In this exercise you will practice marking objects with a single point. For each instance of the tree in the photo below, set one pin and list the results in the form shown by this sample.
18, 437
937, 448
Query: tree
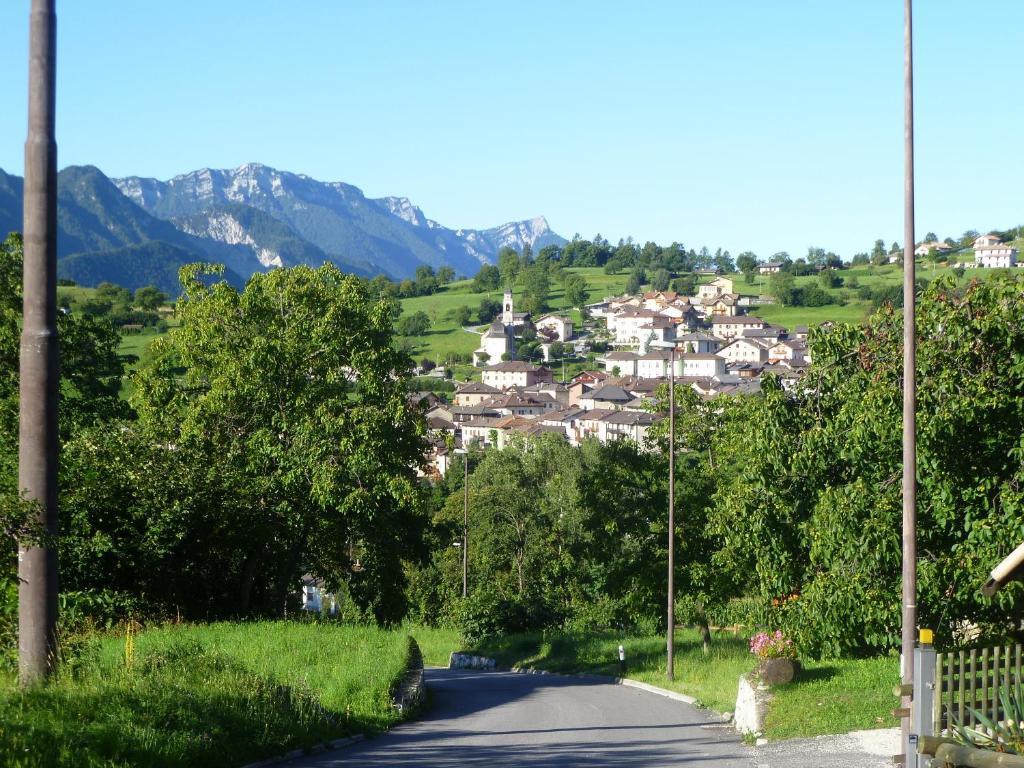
782, 285
415, 324
509, 266
149, 298
576, 290
445, 274
536, 287
287, 403
746, 262
488, 310
660, 280
636, 279
462, 315
931, 237
829, 278
487, 279
878, 254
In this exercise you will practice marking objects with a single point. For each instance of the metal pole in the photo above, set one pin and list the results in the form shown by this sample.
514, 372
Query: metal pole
465, 528
37, 438
909, 362
671, 513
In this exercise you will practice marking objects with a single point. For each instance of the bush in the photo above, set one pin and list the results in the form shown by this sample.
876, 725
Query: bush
485, 614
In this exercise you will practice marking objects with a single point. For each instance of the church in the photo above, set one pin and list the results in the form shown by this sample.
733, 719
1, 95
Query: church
499, 339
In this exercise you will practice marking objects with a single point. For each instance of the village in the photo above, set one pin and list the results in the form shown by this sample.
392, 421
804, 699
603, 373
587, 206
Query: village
718, 345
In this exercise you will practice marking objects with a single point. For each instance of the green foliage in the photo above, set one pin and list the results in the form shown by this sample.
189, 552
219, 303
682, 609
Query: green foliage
415, 324
811, 508
487, 279
1003, 735
488, 310
205, 695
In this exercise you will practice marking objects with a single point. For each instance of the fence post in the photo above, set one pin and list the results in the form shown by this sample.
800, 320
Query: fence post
923, 701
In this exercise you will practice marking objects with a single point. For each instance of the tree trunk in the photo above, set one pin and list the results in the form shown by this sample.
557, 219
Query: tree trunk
705, 631
245, 589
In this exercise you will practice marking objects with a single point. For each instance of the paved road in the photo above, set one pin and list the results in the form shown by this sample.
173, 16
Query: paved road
496, 719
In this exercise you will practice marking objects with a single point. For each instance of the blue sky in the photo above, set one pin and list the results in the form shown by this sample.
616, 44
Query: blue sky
744, 124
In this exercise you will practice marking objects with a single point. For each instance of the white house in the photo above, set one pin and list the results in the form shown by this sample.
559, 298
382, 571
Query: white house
474, 393
744, 350
653, 364
1000, 255
927, 247
725, 327
514, 373
627, 323
559, 326
794, 352
717, 287
985, 241
770, 267
699, 342
494, 344
626, 362
702, 365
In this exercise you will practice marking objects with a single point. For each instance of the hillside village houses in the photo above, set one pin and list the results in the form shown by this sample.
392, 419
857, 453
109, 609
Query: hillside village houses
990, 252
720, 350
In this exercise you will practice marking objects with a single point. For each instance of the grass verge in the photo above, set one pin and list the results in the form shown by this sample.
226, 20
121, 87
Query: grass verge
828, 697
218, 694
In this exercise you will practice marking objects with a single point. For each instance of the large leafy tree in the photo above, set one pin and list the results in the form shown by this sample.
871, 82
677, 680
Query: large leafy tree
288, 401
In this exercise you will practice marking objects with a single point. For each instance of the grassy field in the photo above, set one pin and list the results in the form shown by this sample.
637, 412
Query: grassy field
828, 697
218, 694
446, 336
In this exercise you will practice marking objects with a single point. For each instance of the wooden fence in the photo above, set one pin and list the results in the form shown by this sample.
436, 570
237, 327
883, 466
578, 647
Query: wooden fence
969, 681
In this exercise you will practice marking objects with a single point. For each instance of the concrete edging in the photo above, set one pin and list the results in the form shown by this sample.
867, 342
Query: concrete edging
624, 681
316, 749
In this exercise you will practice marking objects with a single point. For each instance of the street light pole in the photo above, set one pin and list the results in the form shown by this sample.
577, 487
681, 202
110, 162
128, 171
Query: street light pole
37, 436
671, 512
909, 379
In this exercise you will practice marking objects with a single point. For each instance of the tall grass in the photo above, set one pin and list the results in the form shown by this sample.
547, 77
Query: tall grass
218, 694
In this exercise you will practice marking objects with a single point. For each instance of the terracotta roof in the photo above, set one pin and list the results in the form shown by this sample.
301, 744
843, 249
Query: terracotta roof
476, 388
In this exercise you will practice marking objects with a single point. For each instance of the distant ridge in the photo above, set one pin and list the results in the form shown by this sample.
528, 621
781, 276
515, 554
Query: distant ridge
388, 234
135, 231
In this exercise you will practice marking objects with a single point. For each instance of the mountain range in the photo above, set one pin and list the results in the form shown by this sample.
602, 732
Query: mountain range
136, 231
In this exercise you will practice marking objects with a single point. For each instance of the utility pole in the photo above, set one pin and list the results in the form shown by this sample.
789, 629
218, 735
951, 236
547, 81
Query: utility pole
671, 671
37, 436
465, 528
909, 378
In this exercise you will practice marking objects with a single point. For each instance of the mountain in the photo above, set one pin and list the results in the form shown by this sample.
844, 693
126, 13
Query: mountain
137, 231
389, 235
12, 189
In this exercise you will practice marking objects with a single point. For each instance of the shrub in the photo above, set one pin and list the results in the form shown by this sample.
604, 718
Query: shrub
772, 646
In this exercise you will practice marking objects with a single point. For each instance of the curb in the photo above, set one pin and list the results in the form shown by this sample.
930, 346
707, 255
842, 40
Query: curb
624, 681
316, 749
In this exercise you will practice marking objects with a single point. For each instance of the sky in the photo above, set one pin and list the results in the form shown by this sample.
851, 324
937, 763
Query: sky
741, 124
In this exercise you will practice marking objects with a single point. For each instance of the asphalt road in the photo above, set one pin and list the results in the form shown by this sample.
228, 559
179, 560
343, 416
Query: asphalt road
495, 719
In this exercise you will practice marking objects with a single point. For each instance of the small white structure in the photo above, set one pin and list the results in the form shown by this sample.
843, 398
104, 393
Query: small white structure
717, 287
560, 326
770, 267
985, 241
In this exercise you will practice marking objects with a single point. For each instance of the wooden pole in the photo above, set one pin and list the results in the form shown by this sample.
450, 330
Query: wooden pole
670, 640
909, 379
37, 436
465, 528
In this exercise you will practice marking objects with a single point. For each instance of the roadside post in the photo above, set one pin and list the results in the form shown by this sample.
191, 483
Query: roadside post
922, 702
622, 660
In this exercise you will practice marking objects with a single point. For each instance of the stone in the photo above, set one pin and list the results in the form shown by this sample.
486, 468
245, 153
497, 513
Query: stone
751, 706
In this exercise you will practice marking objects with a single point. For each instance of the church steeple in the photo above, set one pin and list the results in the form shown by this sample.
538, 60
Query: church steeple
507, 315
